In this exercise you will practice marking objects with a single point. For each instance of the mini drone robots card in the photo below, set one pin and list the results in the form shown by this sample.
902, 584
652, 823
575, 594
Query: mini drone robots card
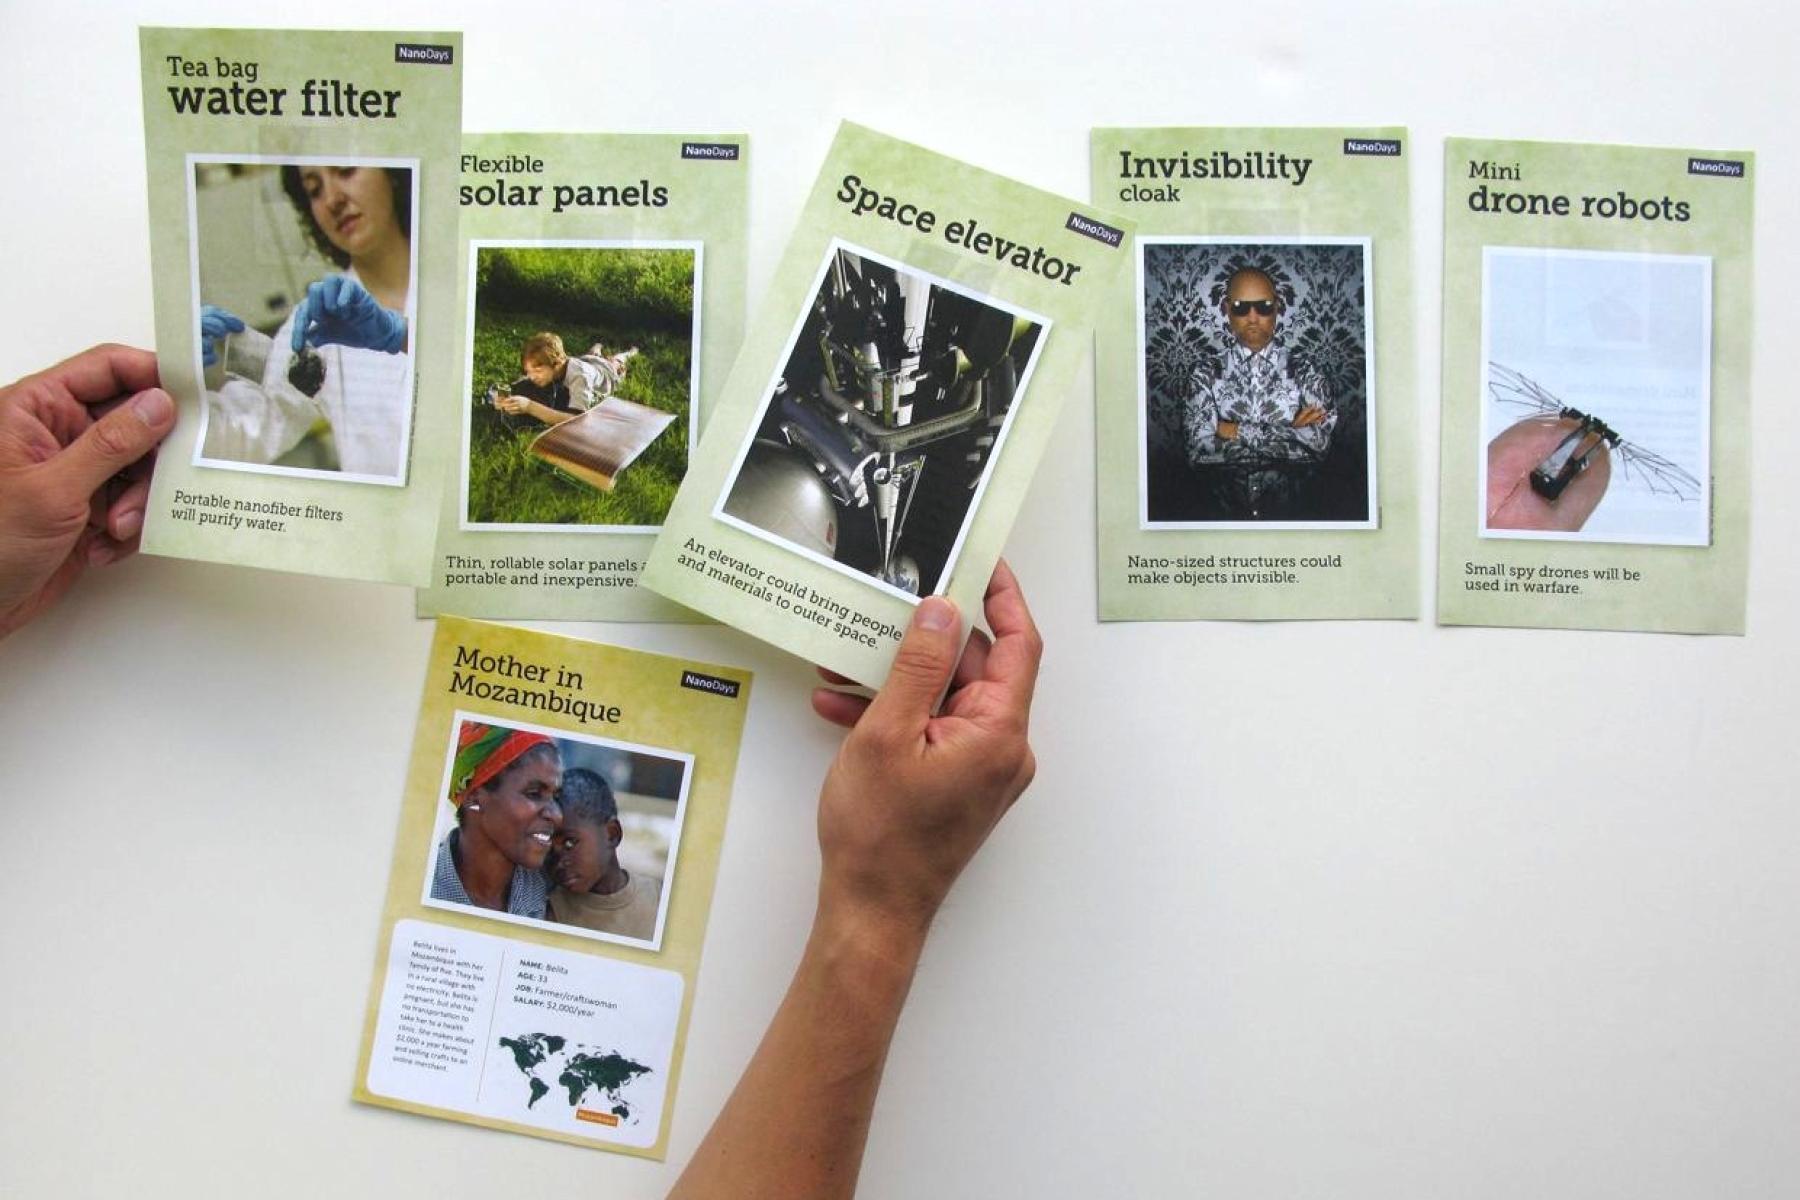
1596, 391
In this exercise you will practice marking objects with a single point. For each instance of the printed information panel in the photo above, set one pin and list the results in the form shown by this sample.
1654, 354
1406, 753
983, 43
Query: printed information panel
525, 1034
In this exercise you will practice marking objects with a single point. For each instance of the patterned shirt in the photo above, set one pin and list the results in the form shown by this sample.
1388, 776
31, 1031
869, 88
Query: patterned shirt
526, 897
1262, 393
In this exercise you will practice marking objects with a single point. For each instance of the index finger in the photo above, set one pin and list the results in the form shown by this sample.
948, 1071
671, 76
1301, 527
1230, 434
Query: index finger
1515, 453
103, 373
1013, 658
302, 320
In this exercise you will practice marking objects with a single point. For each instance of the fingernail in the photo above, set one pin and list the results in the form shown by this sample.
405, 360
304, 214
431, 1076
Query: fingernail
153, 407
99, 553
935, 614
127, 526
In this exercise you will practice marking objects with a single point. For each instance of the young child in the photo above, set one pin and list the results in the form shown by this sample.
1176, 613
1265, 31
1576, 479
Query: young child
593, 889
556, 387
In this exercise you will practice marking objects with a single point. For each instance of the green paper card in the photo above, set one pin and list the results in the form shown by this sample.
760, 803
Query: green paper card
1254, 393
611, 266
1596, 412
893, 397
552, 876
302, 214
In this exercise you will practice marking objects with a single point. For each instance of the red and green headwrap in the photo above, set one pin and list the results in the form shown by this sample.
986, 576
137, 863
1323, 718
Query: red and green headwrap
483, 751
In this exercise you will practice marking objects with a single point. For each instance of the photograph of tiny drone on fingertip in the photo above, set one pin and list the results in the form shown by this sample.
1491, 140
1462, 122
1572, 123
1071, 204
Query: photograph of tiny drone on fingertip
1596, 396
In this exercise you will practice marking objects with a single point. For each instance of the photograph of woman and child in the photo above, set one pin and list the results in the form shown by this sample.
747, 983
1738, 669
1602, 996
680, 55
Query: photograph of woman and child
550, 828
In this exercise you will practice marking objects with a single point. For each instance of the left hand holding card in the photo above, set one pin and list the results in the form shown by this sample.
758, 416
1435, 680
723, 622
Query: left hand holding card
75, 442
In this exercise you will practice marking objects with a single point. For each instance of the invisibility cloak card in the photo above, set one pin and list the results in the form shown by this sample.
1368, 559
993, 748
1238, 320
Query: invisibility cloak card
1254, 398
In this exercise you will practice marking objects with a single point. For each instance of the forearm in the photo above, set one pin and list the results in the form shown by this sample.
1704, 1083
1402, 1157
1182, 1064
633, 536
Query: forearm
1315, 438
797, 1122
1201, 433
543, 413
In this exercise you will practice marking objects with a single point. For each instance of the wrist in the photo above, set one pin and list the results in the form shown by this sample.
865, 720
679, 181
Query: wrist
875, 941
395, 341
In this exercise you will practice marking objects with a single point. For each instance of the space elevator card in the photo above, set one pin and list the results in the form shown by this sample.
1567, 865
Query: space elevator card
893, 397
1596, 391
1254, 393
302, 189
552, 876
602, 302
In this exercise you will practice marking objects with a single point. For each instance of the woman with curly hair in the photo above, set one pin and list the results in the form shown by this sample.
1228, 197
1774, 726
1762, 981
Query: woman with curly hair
339, 366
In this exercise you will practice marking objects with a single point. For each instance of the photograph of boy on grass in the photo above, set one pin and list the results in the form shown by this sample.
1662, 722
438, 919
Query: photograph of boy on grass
556, 388
632, 308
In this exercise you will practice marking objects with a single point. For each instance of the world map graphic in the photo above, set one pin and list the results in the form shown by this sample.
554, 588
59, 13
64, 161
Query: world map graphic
582, 1074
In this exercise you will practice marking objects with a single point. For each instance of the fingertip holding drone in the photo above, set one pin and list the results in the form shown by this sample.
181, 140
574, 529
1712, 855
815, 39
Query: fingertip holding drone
1581, 447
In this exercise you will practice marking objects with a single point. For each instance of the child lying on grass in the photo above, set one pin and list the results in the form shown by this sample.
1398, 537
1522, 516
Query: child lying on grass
556, 387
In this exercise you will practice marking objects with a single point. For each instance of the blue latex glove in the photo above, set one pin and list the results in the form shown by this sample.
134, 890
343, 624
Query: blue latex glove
337, 310
215, 323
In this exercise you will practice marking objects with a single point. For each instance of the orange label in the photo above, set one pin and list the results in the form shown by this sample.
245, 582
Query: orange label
597, 1118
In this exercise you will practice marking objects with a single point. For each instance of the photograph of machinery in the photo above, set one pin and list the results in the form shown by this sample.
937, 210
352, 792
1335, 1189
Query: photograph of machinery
880, 427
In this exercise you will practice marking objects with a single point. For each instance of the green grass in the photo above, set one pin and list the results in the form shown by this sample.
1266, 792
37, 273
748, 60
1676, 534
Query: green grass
644, 287
621, 298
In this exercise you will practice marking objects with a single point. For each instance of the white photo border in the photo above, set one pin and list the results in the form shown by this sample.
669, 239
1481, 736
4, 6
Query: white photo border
410, 385
787, 350
1373, 520
445, 821
1485, 435
476, 245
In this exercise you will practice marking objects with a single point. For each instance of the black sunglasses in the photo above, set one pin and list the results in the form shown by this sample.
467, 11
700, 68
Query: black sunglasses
1241, 308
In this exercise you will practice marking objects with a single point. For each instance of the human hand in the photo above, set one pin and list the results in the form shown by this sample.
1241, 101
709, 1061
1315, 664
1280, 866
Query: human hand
215, 323
75, 445
1227, 430
337, 310
514, 405
1511, 504
1310, 415
912, 796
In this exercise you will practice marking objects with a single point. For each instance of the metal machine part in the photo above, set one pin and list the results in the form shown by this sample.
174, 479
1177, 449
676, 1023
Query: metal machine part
1573, 455
891, 373
776, 491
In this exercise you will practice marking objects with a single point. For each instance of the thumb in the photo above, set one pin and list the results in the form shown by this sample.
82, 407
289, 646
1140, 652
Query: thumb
124, 435
922, 665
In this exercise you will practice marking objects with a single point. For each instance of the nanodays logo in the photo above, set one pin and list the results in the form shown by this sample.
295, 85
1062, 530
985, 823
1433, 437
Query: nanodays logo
416, 52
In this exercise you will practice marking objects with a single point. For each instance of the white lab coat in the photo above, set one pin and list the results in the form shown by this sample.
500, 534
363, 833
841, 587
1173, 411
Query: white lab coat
366, 400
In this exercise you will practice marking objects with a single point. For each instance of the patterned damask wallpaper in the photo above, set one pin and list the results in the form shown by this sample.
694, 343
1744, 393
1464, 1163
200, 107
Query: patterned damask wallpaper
1185, 336
1323, 326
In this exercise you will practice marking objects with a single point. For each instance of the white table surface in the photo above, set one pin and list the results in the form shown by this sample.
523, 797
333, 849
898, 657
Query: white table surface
1515, 917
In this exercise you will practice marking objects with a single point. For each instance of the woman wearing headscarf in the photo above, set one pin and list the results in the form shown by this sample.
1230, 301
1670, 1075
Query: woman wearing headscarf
504, 784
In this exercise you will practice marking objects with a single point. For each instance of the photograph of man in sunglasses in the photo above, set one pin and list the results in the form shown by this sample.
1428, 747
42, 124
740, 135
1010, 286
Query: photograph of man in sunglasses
1273, 407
